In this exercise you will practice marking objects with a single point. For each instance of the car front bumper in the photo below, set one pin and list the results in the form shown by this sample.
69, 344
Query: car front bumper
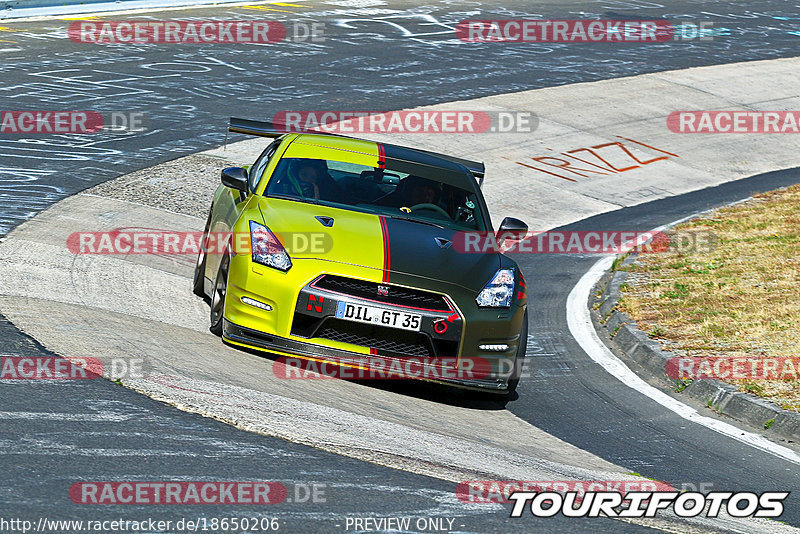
287, 294
439, 371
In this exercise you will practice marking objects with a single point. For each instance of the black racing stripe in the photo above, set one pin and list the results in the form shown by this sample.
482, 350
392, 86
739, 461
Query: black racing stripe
407, 242
414, 251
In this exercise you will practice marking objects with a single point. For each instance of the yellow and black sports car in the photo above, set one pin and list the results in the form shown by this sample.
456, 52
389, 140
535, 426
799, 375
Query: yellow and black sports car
341, 250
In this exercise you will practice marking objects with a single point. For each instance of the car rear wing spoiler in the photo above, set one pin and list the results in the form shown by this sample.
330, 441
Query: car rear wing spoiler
269, 129
259, 128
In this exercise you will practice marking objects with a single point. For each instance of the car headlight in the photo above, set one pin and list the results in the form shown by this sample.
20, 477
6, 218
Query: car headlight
267, 250
499, 291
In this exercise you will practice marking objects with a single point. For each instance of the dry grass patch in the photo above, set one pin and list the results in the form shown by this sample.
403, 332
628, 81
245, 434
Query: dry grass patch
738, 298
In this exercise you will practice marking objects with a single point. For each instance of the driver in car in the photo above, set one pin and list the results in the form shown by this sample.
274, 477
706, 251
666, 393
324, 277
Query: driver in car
412, 191
422, 191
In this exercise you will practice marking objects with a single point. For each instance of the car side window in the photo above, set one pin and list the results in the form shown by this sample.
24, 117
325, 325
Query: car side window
257, 170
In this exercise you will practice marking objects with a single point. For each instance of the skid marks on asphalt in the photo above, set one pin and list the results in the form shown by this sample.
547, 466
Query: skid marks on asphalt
545, 358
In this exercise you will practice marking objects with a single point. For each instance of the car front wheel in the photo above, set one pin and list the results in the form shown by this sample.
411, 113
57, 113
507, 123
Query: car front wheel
218, 296
200, 266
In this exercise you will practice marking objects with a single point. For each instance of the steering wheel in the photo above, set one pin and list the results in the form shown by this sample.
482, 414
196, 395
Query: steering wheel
432, 207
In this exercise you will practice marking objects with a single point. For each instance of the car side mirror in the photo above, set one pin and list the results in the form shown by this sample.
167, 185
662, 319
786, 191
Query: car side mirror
235, 178
511, 228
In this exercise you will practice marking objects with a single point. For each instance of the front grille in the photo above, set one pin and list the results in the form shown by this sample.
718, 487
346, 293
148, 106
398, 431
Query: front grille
398, 296
377, 337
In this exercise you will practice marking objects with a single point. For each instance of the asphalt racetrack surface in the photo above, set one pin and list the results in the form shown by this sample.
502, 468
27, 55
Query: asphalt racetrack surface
375, 56
615, 422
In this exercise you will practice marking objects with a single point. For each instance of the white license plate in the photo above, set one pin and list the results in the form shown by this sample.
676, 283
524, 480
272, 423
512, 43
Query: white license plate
361, 313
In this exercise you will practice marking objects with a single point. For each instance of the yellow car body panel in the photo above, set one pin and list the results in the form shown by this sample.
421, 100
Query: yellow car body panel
356, 250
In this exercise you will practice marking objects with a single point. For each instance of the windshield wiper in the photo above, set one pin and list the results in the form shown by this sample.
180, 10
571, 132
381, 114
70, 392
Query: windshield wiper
296, 199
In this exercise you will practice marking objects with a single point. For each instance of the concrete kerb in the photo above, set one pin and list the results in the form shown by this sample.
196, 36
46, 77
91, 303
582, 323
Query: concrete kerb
623, 334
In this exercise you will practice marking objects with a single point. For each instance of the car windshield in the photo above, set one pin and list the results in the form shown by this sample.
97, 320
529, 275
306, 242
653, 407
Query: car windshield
420, 193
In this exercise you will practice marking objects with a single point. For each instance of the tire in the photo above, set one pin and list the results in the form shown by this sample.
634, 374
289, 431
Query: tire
198, 281
519, 359
218, 296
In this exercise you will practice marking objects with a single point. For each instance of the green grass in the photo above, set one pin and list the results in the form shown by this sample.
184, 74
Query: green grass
740, 297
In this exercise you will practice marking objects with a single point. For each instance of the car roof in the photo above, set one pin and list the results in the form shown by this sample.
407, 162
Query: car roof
337, 142
394, 152
394, 157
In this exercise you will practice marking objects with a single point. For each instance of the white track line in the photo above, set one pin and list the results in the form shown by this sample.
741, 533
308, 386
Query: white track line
580, 326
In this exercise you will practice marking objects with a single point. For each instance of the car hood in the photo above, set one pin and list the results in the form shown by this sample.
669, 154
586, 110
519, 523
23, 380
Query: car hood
408, 252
